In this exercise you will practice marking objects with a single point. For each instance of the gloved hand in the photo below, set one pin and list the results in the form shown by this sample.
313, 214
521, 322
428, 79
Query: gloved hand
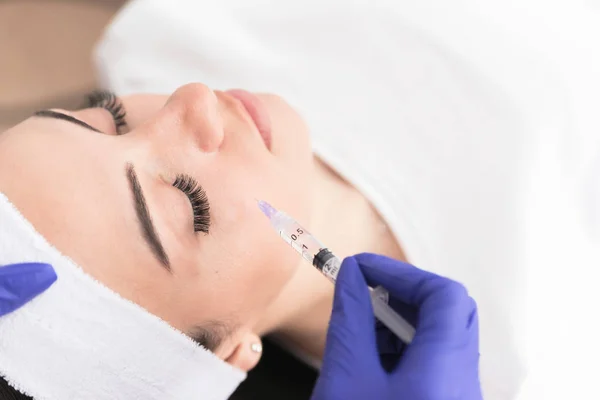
442, 362
19, 283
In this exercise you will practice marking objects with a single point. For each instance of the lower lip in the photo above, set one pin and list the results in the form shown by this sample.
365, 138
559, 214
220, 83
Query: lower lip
257, 111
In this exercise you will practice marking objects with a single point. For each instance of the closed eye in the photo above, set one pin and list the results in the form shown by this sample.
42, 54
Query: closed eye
111, 103
97, 99
198, 199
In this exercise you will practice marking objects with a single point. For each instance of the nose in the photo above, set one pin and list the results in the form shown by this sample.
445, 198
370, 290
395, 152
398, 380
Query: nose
191, 114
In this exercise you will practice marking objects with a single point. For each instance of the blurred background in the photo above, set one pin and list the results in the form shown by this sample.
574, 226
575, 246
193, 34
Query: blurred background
45, 53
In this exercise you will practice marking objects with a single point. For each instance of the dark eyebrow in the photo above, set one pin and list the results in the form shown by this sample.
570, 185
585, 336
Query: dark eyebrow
64, 117
141, 210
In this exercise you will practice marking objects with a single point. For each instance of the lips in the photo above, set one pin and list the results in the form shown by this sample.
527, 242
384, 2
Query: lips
257, 111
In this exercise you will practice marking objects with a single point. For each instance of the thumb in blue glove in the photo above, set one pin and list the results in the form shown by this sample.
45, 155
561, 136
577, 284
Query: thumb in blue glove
351, 368
442, 362
19, 283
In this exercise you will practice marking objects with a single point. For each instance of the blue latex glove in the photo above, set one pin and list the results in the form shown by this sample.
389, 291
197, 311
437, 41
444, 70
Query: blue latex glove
363, 361
19, 283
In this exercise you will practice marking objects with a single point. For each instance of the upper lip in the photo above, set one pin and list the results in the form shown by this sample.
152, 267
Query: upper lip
257, 112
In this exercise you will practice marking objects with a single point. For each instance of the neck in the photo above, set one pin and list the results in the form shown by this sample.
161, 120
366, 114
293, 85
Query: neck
344, 220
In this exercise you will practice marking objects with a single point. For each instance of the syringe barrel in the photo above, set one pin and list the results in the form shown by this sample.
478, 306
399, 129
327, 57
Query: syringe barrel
390, 318
296, 236
314, 252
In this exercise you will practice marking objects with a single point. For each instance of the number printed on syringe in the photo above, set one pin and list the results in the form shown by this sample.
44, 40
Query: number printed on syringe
331, 269
303, 243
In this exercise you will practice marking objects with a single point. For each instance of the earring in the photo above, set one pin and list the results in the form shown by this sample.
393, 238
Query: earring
256, 347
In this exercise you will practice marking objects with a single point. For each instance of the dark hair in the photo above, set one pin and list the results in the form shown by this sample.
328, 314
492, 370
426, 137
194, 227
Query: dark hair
7, 392
211, 334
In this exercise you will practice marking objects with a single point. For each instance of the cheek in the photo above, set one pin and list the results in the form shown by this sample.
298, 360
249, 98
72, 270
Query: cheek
290, 140
290, 179
248, 261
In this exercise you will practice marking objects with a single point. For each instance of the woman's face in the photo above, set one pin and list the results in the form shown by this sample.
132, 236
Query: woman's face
77, 187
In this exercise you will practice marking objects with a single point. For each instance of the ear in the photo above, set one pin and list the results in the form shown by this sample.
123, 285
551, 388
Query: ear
247, 353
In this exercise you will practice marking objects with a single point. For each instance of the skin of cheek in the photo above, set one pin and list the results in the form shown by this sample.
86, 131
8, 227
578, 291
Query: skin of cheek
240, 253
273, 183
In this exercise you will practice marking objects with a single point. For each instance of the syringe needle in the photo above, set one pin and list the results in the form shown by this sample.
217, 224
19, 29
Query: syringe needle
267, 209
325, 261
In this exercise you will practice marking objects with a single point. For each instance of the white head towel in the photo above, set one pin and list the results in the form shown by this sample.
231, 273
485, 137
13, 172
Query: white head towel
80, 340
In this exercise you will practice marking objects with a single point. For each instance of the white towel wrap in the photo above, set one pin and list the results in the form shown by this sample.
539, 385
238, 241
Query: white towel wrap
80, 340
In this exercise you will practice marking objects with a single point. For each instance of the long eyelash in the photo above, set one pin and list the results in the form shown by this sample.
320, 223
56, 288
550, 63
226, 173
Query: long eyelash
198, 199
110, 102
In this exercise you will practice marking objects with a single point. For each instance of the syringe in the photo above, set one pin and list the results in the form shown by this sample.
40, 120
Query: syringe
325, 261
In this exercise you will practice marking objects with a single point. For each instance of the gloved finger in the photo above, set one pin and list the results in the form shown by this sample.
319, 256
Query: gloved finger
19, 283
351, 337
452, 351
444, 305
